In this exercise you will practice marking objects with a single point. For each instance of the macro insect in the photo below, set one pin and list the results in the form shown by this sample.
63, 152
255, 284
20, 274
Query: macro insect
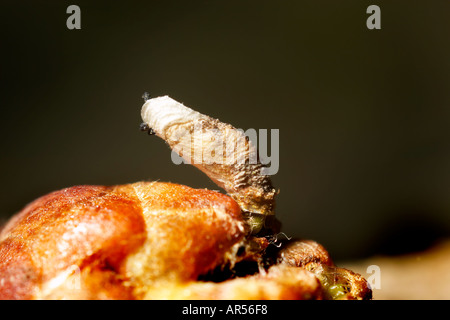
222, 152
145, 127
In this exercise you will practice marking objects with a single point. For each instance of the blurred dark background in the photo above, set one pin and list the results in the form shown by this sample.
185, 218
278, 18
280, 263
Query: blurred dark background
364, 115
